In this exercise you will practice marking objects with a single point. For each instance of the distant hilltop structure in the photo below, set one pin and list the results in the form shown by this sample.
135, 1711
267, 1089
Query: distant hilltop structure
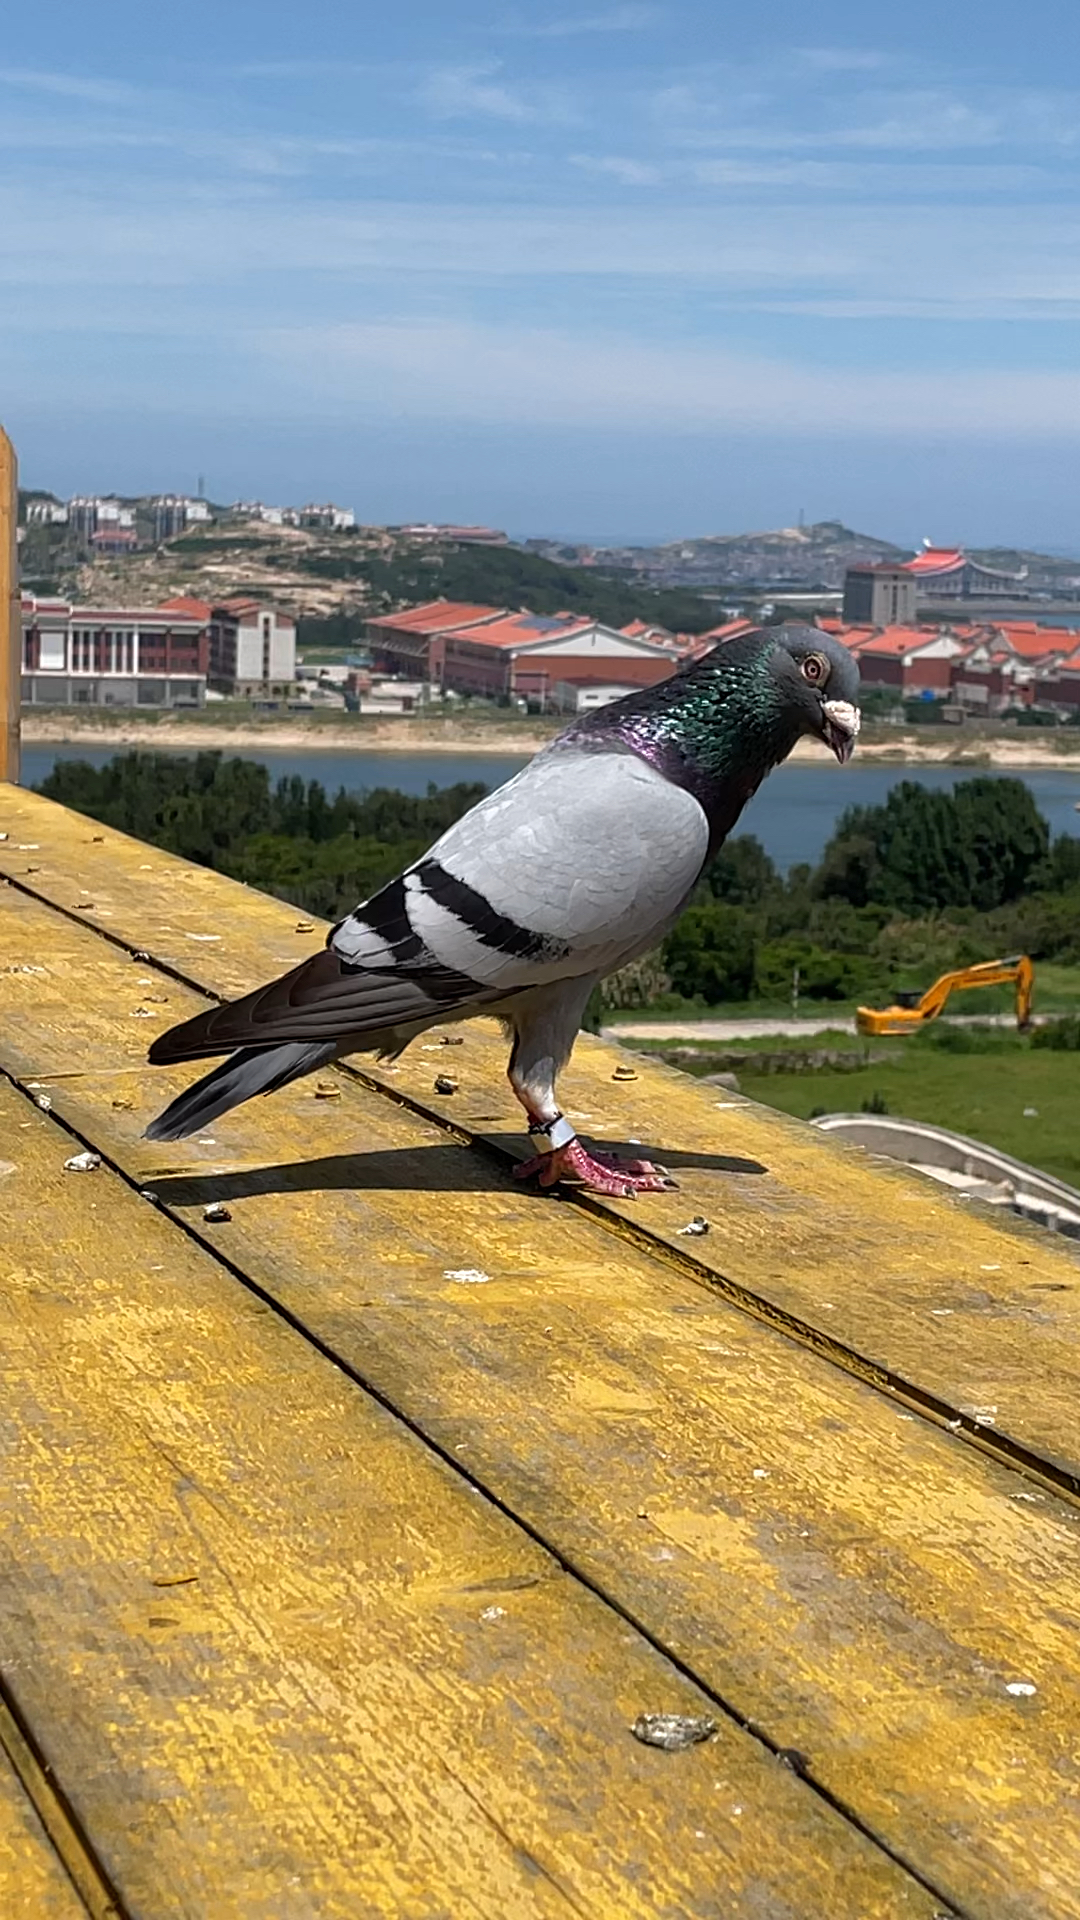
464, 536
104, 521
885, 593
108, 525
947, 573
336, 519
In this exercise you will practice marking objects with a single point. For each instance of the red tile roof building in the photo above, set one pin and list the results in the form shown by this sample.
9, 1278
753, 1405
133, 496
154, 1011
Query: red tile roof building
984, 667
947, 573
562, 661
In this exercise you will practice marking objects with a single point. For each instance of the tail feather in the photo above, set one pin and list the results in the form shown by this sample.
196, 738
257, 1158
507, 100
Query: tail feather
252, 1070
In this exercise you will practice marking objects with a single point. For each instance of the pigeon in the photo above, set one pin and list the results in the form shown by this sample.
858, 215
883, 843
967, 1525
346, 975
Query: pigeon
578, 864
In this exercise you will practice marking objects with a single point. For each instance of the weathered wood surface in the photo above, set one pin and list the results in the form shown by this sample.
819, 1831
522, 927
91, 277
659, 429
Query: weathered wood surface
33, 1884
849, 1578
979, 1318
285, 1661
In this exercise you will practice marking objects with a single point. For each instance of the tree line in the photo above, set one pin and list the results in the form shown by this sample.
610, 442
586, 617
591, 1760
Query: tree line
924, 881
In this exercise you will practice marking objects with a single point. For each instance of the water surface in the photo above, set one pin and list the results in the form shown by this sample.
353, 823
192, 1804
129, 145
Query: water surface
793, 815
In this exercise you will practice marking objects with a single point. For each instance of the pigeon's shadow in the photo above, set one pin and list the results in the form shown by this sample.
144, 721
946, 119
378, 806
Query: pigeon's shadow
442, 1169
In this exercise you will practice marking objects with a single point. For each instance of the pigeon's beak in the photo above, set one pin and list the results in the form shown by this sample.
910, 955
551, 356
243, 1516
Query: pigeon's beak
840, 723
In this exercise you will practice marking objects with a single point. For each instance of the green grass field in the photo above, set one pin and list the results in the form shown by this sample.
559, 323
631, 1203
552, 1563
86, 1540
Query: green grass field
987, 1093
984, 1095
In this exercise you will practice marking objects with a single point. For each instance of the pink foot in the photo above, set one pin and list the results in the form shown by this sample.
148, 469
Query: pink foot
600, 1172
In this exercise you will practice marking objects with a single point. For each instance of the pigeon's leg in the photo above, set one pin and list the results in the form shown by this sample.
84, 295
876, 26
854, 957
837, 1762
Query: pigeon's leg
545, 1028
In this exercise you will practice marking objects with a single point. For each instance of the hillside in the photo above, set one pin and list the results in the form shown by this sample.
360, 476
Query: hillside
805, 557
334, 580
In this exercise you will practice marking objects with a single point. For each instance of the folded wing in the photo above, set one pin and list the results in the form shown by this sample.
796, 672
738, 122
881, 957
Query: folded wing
576, 865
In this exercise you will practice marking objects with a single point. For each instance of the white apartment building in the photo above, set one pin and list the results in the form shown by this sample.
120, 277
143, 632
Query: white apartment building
90, 513
270, 516
262, 655
251, 646
338, 519
174, 512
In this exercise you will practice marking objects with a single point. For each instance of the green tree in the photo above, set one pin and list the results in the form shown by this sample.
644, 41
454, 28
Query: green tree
710, 953
742, 873
823, 974
980, 846
293, 840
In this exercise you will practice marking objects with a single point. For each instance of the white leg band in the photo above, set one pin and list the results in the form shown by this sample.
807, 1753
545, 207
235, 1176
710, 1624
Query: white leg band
550, 1135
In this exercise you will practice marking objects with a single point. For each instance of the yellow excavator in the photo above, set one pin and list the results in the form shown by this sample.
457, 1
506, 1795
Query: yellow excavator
915, 1009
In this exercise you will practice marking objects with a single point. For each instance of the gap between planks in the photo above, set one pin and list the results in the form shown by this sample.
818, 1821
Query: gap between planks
38, 1779
81, 1864
948, 1909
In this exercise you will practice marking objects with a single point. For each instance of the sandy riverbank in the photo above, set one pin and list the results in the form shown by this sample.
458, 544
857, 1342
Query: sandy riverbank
285, 736
1017, 750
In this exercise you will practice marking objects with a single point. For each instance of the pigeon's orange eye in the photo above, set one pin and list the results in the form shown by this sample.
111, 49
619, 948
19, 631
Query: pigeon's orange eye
815, 668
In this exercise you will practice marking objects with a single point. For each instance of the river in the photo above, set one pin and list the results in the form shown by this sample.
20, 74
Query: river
793, 814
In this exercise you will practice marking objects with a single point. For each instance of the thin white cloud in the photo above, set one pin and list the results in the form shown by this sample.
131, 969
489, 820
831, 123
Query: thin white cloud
629, 172
620, 19
903, 120
477, 91
992, 261
304, 69
69, 86
924, 122
533, 376
841, 59
904, 179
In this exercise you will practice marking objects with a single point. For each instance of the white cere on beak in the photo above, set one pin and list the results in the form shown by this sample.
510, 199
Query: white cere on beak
843, 715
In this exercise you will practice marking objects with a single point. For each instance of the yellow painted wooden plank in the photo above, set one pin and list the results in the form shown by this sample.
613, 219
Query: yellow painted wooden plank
981, 1316
284, 1660
854, 1581
33, 1884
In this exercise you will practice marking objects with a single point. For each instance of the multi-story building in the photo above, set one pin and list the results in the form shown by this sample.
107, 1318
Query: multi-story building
175, 512
557, 661
406, 643
114, 539
946, 573
90, 514
338, 519
270, 516
112, 657
255, 648
251, 647
982, 667
464, 536
879, 594
46, 512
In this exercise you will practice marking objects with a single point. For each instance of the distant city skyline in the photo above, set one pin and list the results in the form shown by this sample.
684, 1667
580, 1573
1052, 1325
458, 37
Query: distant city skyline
678, 267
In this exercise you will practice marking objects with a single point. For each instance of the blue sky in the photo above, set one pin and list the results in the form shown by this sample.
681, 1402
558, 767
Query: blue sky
629, 269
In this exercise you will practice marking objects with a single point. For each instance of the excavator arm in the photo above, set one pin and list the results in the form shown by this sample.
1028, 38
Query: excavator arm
913, 1011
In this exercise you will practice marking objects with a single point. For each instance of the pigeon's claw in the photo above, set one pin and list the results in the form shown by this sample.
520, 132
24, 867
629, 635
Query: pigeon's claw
599, 1172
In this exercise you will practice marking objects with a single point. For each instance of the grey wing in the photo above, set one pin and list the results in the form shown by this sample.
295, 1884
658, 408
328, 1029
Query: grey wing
576, 865
572, 868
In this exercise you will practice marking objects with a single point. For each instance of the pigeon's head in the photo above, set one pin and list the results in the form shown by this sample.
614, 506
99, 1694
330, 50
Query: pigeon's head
820, 678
